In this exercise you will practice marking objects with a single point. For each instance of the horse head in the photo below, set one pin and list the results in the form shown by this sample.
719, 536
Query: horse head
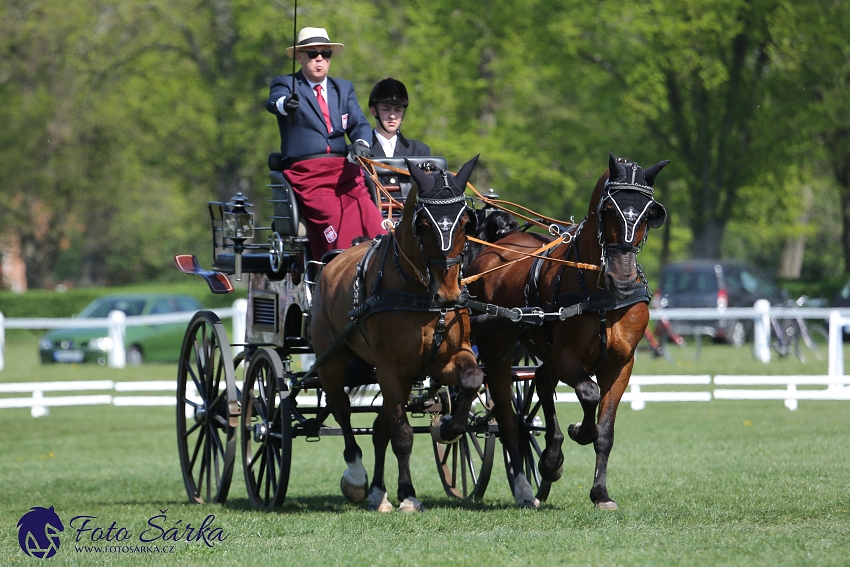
438, 216
626, 210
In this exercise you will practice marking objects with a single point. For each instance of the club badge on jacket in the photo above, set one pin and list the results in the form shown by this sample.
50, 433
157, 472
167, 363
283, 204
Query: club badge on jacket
345, 121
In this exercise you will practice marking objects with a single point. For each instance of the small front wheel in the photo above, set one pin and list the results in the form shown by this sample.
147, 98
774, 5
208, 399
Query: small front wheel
531, 428
266, 430
465, 466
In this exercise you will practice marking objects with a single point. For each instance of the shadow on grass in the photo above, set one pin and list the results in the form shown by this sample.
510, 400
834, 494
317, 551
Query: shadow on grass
337, 504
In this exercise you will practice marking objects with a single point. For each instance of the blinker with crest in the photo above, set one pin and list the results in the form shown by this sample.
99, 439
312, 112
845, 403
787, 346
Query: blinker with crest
629, 191
441, 198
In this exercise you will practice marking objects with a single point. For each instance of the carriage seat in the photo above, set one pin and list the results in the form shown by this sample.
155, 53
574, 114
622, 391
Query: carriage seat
286, 219
399, 184
253, 263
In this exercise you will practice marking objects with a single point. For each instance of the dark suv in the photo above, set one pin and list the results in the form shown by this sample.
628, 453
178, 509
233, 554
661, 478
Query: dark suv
718, 284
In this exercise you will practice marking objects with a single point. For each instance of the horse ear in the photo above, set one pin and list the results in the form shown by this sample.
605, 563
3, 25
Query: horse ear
649, 174
616, 171
423, 180
462, 176
410, 202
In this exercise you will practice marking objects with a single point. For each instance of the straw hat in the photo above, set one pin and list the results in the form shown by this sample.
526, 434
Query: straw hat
314, 36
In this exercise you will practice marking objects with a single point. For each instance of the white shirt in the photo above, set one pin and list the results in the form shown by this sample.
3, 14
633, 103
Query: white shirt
387, 144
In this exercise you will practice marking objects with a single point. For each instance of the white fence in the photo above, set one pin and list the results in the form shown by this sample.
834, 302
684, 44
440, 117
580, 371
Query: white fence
117, 323
108, 392
834, 386
761, 313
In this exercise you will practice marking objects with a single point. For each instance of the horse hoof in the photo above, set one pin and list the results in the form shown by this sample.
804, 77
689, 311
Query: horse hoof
436, 434
575, 433
353, 492
607, 505
523, 494
551, 473
378, 501
410, 505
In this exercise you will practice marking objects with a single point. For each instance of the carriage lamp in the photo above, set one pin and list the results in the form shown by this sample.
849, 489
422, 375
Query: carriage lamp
238, 227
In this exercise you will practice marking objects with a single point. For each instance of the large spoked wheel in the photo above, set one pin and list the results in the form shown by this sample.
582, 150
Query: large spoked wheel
465, 466
207, 409
532, 430
266, 430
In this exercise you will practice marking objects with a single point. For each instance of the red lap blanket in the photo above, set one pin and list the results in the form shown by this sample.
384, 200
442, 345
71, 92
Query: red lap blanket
335, 203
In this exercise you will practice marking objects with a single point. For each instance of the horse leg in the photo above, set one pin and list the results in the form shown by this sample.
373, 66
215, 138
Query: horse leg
401, 435
587, 391
380, 439
605, 442
500, 382
551, 464
469, 377
354, 482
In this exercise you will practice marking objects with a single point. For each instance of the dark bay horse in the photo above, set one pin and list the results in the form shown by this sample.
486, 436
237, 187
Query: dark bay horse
609, 311
393, 303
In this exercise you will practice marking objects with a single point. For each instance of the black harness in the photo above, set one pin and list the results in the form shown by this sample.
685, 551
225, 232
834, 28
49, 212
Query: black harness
571, 304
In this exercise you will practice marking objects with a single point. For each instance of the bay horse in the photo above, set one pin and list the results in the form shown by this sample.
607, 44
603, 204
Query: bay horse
393, 303
605, 313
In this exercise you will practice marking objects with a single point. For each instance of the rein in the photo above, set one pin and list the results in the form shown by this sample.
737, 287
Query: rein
496, 203
536, 254
399, 252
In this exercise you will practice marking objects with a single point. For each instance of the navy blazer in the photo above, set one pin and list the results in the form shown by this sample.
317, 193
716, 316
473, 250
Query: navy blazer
403, 147
307, 134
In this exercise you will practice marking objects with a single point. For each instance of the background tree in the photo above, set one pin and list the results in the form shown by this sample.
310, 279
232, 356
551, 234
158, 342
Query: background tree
121, 119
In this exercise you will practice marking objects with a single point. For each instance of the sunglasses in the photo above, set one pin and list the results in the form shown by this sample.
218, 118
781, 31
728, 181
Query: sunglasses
312, 53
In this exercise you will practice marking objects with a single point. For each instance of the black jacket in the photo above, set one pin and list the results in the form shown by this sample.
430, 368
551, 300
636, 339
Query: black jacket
403, 147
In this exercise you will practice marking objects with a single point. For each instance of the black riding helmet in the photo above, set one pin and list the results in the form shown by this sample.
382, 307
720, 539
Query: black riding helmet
388, 90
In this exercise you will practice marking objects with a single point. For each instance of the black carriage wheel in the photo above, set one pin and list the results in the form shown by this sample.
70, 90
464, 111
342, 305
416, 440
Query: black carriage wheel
465, 466
531, 434
266, 430
207, 409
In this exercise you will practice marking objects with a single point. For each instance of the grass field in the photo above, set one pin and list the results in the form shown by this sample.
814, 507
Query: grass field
717, 483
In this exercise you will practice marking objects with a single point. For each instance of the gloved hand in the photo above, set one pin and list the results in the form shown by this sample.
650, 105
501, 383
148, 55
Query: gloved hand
360, 149
291, 103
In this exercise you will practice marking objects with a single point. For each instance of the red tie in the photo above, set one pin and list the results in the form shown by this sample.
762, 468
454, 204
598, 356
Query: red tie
325, 112
324, 106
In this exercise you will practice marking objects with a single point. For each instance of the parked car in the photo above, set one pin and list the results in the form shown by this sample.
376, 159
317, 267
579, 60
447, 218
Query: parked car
718, 284
842, 298
148, 343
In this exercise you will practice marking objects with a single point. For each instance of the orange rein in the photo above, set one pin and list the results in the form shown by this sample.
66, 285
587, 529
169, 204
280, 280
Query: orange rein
369, 165
535, 254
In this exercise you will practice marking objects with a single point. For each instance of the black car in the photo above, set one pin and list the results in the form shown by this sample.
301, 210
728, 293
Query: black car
842, 298
715, 284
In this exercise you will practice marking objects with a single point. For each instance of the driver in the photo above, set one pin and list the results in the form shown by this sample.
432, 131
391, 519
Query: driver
314, 121
388, 103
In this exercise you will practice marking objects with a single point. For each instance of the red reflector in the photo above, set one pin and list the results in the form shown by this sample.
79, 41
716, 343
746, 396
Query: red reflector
722, 299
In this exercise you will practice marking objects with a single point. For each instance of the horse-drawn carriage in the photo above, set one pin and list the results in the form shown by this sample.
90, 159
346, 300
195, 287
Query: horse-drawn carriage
395, 314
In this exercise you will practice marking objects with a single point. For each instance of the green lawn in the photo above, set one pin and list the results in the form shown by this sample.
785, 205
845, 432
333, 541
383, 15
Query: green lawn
716, 483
